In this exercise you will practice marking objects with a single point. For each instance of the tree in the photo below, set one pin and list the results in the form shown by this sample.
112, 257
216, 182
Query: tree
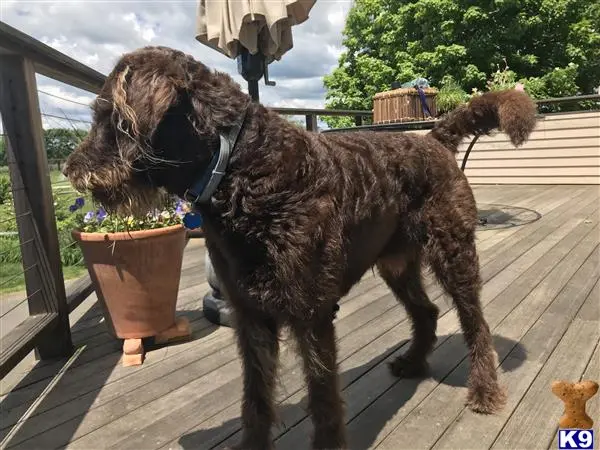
60, 142
552, 45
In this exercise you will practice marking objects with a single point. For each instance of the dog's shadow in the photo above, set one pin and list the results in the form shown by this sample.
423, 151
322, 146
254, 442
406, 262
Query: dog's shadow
446, 368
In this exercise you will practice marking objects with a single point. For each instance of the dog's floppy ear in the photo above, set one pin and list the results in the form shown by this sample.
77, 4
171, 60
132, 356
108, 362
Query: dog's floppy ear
215, 97
141, 98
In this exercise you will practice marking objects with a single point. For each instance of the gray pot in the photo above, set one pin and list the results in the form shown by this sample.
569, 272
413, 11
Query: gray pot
215, 307
211, 276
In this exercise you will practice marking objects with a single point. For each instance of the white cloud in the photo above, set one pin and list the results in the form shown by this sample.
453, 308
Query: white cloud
145, 31
97, 32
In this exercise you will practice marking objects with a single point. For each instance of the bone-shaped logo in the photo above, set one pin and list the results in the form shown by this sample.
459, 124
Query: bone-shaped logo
575, 396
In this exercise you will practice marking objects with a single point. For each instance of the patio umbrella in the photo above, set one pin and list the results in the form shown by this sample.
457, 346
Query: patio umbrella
255, 32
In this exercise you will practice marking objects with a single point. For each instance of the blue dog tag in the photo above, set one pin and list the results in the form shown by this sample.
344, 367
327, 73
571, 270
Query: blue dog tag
192, 220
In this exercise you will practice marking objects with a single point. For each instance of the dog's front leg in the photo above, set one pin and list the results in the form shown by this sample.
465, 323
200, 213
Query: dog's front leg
317, 345
259, 348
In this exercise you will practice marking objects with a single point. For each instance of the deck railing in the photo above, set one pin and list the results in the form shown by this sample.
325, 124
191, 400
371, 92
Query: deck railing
47, 328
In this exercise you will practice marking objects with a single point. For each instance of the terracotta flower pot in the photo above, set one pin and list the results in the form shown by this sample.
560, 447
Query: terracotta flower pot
136, 276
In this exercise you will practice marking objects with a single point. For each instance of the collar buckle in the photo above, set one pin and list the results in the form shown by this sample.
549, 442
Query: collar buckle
191, 197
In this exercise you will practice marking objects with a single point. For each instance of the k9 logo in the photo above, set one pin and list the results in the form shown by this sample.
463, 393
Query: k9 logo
575, 439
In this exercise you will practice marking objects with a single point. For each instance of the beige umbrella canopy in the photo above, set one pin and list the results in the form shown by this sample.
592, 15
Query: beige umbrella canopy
259, 26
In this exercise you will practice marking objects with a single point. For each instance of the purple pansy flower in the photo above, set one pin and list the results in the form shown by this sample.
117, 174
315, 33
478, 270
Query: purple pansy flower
179, 209
79, 202
89, 216
101, 214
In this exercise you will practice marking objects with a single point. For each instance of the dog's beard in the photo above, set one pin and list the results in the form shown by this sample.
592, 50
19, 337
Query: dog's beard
127, 200
118, 185
124, 196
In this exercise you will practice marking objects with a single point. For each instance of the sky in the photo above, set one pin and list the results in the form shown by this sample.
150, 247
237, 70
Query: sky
98, 32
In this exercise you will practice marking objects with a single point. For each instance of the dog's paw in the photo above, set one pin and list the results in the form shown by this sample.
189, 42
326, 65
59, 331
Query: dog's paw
486, 399
403, 367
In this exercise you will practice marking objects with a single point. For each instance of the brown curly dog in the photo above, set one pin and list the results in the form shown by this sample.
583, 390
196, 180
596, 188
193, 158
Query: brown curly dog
294, 219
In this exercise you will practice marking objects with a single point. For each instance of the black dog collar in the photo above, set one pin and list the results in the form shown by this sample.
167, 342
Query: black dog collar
203, 189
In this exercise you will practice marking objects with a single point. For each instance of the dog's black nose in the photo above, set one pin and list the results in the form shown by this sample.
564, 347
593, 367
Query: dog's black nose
336, 308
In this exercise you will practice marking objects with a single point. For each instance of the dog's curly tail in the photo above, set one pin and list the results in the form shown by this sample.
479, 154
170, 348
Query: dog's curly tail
512, 111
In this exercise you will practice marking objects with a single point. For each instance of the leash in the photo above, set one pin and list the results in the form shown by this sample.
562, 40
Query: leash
424, 107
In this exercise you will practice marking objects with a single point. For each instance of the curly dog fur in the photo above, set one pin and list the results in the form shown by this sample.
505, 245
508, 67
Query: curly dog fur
299, 217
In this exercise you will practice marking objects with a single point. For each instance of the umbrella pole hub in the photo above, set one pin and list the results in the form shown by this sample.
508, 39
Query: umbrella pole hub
252, 68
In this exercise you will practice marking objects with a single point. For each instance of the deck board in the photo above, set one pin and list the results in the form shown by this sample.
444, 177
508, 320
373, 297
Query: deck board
533, 423
541, 298
523, 363
591, 373
514, 344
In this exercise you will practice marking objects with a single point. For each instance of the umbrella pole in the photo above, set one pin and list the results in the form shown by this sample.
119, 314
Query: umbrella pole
253, 90
216, 308
252, 68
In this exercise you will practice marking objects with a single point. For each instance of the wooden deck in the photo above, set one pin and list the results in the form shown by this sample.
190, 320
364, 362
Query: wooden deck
542, 301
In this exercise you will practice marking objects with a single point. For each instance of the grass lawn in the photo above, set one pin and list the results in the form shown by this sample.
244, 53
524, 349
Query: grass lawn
12, 278
56, 177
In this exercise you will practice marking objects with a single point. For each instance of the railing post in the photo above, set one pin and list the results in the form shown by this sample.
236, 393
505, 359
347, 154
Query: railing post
311, 122
23, 126
358, 120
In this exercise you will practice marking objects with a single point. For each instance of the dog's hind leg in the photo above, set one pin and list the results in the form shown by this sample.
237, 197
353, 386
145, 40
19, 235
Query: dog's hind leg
316, 343
259, 347
453, 256
404, 279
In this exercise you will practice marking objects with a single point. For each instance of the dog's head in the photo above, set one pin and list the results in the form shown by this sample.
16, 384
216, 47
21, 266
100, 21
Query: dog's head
159, 109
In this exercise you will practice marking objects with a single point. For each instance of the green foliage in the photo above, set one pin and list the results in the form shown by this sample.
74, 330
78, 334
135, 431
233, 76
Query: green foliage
60, 142
5, 193
10, 250
502, 79
11, 276
554, 45
3, 160
338, 121
97, 220
560, 82
450, 96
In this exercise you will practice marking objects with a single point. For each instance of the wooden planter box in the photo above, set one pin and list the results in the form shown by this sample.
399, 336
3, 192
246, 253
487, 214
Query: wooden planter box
402, 105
